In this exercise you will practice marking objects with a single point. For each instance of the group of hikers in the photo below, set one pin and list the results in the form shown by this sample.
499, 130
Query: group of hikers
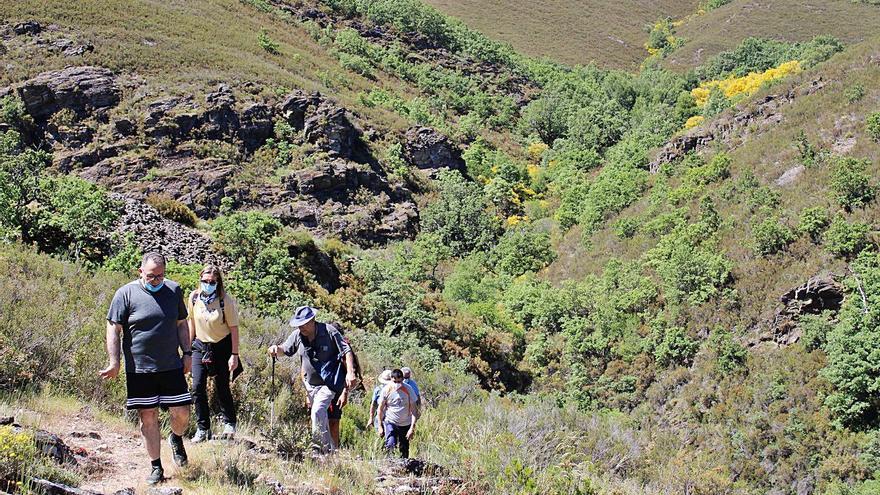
164, 336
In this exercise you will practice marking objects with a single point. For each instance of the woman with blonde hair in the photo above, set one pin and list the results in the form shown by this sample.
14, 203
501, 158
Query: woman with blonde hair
213, 329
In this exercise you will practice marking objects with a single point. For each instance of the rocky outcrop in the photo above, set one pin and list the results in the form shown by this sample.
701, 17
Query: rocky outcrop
330, 130
818, 294
191, 150
754, 118
428, 149
30, 28
152, 232
80, 89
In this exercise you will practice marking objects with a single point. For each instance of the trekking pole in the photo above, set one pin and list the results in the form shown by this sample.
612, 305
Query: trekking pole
272, 400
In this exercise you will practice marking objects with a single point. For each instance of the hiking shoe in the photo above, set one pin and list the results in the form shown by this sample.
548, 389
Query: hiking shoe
201, 436
177, 450
228, 431
157, 475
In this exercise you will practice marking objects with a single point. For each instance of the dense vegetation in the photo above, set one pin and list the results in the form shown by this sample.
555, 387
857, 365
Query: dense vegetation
577, 323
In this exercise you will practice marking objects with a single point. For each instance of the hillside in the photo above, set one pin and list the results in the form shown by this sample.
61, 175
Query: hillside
641, 282
723, 28
608, 33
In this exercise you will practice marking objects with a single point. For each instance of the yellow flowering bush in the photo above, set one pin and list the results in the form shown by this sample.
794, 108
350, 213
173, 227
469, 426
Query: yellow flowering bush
746, 85
536, 149
515, 220
694, 121
17, 450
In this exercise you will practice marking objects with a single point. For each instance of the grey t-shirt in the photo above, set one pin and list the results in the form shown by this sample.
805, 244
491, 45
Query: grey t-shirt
322, 348
149, 326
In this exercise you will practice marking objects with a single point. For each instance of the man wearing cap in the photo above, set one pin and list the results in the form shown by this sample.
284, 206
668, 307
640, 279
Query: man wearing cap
322, 349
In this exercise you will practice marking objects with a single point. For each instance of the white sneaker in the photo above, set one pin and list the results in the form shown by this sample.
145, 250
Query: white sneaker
201, 436
228, 431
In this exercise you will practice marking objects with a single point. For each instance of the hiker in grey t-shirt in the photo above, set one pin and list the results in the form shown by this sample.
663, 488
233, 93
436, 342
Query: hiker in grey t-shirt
320, 345
150, 315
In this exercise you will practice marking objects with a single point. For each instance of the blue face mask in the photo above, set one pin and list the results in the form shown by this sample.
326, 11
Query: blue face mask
154, 288
208, 288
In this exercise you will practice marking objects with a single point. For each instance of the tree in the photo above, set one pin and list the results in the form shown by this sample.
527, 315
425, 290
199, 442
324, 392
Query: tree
853, 361
459, 217
20, 171
73, 214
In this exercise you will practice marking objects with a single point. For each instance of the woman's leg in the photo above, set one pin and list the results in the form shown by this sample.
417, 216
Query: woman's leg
200, 392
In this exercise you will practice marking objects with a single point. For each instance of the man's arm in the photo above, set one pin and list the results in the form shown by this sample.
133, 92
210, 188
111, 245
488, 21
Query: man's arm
414, 416
350, 376
381, 414
112, 370
185, 344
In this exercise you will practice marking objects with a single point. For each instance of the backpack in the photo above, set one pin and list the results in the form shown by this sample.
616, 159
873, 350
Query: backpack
333, 373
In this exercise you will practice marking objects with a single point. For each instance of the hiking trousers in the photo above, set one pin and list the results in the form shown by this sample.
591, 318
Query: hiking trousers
321, 398
222, 352
395, 436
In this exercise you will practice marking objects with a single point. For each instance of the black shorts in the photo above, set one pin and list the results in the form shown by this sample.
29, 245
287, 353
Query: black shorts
165, 388
333, 410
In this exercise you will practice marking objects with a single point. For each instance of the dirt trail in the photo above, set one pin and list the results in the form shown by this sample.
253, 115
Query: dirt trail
112, 456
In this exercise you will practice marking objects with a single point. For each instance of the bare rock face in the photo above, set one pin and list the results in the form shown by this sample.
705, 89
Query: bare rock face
80, 89
330, 130
426, 148
818, 294
293, 109
31, 28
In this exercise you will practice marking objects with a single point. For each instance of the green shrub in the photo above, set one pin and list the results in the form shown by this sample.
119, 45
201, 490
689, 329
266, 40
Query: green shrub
851, 348
172, 209
771, 236
851, 182
846, 239
626, 228
673, 346
522, 250
20, 171
710, 5
242, 235
14, 114
854, 93
815, 329
729, 354
813, 222
661, 36
690, 266
267, 43
872, 126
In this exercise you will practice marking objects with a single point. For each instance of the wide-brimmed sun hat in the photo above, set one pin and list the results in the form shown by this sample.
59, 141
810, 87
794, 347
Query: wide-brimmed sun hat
302, 315
385, 377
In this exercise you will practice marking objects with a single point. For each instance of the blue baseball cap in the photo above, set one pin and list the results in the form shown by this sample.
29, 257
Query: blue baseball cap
302, 315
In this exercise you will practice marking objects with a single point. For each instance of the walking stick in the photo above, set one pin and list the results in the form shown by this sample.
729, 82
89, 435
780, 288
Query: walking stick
272, 400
